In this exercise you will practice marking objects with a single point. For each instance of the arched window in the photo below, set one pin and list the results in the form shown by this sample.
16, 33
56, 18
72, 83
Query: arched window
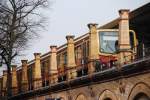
108, 95
81, 97
141, 96
107, 99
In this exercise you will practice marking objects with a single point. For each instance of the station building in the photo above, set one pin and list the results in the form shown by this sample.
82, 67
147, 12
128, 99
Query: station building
110, 62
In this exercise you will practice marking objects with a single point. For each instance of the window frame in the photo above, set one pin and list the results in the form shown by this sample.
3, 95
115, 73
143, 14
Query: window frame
105, 30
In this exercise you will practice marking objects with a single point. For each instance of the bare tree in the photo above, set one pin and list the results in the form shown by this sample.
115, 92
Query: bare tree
19, 21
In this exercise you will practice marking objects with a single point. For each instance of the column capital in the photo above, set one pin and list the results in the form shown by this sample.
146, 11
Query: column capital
14, 67
37, 54
53, 48
90, 25
4, 72
24, 61
68, 37
124, 10
124, 13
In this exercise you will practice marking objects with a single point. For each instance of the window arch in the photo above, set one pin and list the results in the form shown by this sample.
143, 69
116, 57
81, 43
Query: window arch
141, 96
107, 99
140, 91
107, 95
81, 97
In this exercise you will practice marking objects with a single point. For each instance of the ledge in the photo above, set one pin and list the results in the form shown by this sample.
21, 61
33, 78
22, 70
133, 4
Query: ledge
129, 70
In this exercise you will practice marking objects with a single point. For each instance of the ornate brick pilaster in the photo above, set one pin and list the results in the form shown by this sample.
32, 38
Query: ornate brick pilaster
53, 65
4, 86
71, 73
124, 38
37, 72
14, 80
24, 83
93, 45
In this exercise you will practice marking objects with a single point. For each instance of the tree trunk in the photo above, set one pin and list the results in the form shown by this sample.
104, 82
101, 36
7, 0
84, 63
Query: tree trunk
9, 80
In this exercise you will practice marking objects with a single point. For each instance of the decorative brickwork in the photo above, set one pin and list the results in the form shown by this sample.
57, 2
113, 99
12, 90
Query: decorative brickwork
24, 81
124, 38
14, 80
70, 57
53, 66
93, 45
37, 72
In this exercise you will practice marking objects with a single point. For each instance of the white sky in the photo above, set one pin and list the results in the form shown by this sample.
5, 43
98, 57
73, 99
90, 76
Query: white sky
72, 16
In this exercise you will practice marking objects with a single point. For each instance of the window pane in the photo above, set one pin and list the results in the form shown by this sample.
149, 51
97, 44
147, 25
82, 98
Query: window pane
107, 41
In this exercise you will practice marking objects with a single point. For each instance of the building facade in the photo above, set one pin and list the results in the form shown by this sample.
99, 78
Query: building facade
110, 62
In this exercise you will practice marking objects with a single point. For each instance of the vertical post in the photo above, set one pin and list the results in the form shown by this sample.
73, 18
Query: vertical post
61, 64
61, 73
4, 87
24, 82
0, 87
14, 80
79, 55
93, 46
46, 73
53, 65
37, 81
124, 38
71, 73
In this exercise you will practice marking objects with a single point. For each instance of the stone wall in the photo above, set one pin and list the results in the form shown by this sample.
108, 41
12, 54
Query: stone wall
122, 89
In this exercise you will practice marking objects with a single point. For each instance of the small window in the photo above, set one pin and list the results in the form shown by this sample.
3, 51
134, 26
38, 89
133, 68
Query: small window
107, 41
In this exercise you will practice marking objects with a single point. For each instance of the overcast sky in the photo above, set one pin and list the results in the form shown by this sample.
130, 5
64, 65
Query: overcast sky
72, 16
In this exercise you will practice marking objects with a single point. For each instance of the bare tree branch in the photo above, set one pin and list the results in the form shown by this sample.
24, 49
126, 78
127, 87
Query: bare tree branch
17, 26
